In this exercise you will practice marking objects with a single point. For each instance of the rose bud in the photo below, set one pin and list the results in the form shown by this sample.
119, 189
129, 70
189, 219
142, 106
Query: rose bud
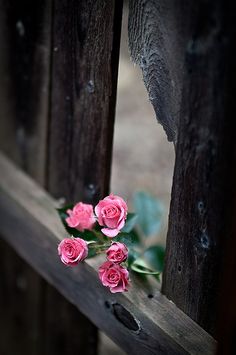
81, 217
111, 213
114, 276
117, 253
72, 251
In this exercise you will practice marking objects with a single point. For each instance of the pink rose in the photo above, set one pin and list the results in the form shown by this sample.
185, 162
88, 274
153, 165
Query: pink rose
117, 253
72, 251
111, 213
81, 217
114, 276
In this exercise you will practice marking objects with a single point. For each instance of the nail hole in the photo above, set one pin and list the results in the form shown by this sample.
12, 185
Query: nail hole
150, 295
179, 268
107, 304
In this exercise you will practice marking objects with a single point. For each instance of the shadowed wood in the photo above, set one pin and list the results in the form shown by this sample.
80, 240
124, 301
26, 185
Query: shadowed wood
227, 295
24, 99
35, 104
30, 224
86, 37
197, 235
84, 63
24, 82
20, 285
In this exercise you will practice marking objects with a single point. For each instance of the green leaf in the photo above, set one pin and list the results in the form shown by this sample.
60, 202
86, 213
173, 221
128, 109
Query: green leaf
140, 266
87, 235
154, 256
132, 256
62, 212
150, 211
91, 253
130, 239
130, 222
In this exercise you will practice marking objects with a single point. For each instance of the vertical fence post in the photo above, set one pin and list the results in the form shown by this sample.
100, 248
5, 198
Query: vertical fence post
198, 213
86, 38
84, 66
24, 90
59, 60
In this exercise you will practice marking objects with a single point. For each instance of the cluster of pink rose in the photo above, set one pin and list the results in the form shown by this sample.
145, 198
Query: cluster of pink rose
111, 214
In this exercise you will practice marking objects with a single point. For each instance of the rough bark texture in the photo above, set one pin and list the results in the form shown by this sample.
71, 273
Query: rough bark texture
158, 31
197, 234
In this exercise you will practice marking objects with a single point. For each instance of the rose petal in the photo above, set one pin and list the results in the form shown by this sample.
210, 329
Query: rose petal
111, 233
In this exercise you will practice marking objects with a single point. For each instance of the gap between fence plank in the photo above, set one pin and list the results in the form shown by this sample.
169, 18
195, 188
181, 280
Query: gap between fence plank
30, 224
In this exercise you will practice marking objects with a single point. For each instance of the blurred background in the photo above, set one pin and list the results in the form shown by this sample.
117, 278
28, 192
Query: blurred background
143, 159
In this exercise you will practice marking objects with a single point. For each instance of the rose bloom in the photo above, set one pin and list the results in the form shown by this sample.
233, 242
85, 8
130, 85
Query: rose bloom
81, 217
117, 253
72, 251
114, 276
111, 213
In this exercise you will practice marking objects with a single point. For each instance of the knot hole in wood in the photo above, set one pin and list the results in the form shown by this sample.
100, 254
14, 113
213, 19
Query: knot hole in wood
124, 316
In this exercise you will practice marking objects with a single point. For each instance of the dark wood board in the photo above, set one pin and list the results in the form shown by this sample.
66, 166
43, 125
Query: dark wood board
28, 83
86, 37
197, 234
25, 48
158, 34
137, 323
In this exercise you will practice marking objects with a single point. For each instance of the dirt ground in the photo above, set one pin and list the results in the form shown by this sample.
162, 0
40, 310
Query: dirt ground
143, 159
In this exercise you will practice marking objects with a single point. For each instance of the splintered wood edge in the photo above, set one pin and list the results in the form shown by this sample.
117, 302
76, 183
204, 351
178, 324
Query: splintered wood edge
140, 320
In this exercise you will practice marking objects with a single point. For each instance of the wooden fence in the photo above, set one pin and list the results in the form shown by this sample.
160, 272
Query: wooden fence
58, 69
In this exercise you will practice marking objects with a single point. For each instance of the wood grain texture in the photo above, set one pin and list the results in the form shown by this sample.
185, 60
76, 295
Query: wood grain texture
35, 105
153, 325
20, 305
24, 101
158, 31
197, 235
84, 63
24, 82
86, 36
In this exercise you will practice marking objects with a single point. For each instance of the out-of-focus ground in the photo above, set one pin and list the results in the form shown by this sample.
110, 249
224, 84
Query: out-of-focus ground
143, 159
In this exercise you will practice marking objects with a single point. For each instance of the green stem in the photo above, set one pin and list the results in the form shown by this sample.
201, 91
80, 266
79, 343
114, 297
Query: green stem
101, 247
99, 236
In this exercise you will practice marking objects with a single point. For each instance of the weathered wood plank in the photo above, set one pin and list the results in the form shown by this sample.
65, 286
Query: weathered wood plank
84, 63
24, 82
20, 305
158, 31
30, 224
24, 95
196, 236
32, 89
86, 36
